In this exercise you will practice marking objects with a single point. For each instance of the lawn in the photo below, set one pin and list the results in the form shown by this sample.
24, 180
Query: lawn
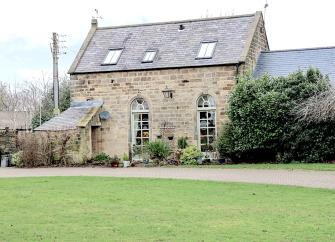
132, 209
290, 166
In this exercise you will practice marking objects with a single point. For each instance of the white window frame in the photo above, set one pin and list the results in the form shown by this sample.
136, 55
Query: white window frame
206, 44
149, 60
206, 109
117, 51
133, 130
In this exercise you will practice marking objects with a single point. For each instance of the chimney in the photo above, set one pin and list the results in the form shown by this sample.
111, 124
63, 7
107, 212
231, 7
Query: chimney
94, 23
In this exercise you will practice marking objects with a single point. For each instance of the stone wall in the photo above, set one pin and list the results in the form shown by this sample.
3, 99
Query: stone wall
259, 43
8, 141
119, 89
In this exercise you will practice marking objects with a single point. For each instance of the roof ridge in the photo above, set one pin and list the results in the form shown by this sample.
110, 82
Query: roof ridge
177, 21
300, 49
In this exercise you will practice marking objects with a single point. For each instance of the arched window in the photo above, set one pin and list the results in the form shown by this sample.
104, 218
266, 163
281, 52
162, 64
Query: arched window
206, 122
140, 122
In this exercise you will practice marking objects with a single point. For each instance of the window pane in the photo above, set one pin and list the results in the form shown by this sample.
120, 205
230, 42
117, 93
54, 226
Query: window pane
203, 123
138, 133
145, 125
210, 139
113, 57
210, 49
203, 50
138, 142
203, 140
137, 125
136, 117
145, 117
203, 131
211, 131
203, 115
149, 56
145, 134
206, 50
211, 123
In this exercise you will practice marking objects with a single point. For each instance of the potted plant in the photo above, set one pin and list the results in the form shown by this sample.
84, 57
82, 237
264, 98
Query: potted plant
125, 159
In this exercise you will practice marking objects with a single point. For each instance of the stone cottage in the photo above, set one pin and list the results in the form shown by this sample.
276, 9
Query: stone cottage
136, 83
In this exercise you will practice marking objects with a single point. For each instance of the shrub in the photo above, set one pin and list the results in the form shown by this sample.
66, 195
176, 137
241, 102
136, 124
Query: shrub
125, 157
263, 126
158, 150
182, 142
113, 161
190, 155
17, 159
101, 157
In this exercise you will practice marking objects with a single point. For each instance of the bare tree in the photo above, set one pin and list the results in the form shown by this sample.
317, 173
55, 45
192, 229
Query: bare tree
318, 108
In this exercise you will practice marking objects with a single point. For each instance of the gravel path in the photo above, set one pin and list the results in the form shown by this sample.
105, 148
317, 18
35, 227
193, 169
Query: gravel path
318, 179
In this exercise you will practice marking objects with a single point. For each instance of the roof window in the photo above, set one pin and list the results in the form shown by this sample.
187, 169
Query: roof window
149, 56
113, 56
206, 50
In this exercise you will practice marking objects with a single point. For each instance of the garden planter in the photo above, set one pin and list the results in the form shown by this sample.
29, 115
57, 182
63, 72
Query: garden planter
199, 160
126, 163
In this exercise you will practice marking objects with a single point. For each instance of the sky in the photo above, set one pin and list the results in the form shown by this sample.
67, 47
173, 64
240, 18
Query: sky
26, 26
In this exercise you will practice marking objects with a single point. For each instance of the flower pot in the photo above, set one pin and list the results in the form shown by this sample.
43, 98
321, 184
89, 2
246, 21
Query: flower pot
126, 163
199, 160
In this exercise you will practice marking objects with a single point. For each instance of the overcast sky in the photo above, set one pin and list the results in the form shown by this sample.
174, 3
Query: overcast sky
26, 26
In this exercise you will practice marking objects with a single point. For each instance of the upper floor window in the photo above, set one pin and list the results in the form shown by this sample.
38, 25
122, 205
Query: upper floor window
149, 56
206, 50
113, 56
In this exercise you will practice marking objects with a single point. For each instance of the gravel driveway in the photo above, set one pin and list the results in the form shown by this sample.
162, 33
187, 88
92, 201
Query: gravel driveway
318, 179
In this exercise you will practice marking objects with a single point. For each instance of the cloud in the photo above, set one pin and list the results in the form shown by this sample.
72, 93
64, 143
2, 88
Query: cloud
27, 26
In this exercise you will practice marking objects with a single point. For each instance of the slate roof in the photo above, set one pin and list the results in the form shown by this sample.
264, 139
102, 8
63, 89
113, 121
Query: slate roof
284, 62
175, 48
72, 117
15, 120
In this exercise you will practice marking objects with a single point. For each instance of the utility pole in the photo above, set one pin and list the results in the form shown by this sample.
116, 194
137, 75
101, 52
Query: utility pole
55, 56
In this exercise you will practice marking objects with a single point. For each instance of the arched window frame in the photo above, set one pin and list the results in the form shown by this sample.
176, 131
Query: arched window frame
140, 122
206, 122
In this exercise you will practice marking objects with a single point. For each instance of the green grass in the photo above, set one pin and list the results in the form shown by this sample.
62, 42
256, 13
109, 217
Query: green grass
130, 209
291, 166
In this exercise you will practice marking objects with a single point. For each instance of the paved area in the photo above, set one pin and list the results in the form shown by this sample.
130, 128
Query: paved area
318, 179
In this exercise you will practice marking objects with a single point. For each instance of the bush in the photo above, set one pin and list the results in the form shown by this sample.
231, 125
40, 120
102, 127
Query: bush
125, 157
190, 155
263, 126
158, 150
101, 157
182, 143
17, 159
113, 161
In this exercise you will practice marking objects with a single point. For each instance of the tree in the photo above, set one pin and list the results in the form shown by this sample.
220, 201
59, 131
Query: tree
318, 108
46, 109
264, 127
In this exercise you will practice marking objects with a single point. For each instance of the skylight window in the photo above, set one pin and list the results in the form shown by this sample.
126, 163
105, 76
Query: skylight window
149, 56
113, 57
206, 50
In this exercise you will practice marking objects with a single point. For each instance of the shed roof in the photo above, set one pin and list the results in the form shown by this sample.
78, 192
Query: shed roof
175, 48
76, 116
284, 62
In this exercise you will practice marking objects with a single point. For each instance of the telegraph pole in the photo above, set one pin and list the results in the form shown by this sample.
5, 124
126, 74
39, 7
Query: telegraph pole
55, 56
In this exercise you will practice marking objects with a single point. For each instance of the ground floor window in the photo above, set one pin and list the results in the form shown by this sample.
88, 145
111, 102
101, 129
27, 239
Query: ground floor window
140, 122
206, 123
